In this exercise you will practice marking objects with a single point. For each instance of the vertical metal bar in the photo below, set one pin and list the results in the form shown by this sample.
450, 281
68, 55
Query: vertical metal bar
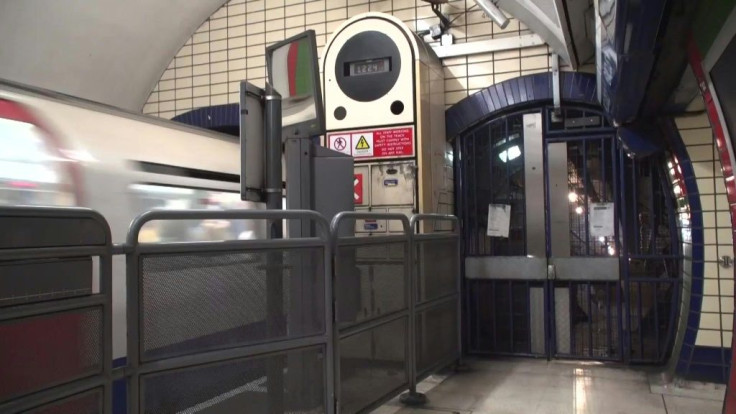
635, 206
492, 243
459, 287
609, 340
332, 363
550, 337
656, 319
624, 325
571, 314
529, 314
105, 266
475, 197
274, 279
641, 320
511, 314
133, 322
590, 320
494, 284
587, 196
411, 271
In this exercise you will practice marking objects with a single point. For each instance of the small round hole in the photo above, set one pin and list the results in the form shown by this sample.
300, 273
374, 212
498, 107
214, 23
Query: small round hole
340, 113
397, 107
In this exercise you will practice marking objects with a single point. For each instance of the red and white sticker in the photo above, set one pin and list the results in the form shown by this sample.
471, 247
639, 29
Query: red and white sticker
374, 144
358, 189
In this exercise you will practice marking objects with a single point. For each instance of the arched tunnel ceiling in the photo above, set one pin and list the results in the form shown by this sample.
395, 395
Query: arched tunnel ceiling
109, 51
114, 52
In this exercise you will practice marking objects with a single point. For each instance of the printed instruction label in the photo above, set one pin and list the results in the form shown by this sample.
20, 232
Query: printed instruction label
601, 220
374, 144
499, 220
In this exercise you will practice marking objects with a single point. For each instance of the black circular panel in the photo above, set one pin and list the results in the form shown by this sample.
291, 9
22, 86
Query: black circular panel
340, 113
397, 107
366, 46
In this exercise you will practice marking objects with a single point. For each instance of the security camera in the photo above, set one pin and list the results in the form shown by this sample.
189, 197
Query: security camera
492, 11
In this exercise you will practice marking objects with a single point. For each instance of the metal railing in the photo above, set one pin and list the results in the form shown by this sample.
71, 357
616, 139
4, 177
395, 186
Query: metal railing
436, 308
373, 302
232, 325
219, 324
55, 310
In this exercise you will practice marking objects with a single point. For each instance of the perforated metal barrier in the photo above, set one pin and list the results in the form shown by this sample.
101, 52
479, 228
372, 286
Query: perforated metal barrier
372, 285
225, 326
236, 325
436, 307
55, 311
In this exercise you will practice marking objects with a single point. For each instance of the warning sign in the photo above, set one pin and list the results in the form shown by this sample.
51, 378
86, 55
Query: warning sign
374, 144
363, 144
358, 189
340, 143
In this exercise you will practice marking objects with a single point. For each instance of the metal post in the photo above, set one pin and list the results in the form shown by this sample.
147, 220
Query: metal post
274, 281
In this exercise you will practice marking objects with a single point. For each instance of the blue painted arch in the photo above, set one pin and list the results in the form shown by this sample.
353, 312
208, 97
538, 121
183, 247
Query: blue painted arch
530, 90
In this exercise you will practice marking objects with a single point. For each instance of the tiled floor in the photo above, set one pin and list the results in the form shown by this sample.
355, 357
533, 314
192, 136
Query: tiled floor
527, 386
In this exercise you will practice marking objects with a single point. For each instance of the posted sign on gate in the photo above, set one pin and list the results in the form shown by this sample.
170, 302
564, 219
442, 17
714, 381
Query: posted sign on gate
374, 144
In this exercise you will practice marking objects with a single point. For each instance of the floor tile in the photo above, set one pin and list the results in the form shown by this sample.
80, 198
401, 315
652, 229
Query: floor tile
532, 386
683, 405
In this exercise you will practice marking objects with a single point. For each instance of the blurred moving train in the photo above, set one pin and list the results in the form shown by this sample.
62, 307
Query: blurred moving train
62, 151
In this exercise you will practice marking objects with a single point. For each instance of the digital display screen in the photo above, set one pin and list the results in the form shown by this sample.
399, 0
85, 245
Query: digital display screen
369, 67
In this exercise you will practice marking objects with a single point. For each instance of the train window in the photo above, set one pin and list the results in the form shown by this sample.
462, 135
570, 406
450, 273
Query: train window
30, 171
154, 196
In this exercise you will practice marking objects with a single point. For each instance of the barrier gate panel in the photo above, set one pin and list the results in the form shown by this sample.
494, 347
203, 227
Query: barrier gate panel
55, 311
233, 326
436, 285
372, 284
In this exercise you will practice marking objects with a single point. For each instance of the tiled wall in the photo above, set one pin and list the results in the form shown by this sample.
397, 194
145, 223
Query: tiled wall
229, 47
716, 319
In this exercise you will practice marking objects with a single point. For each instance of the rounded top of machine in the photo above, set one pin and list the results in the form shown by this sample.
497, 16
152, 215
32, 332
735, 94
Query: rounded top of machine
411, 37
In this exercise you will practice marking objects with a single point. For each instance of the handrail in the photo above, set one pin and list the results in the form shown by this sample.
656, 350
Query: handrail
344, 215
417, 218
240, 214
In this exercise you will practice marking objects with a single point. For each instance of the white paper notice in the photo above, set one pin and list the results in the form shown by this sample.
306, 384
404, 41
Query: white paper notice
499, 219
601, 220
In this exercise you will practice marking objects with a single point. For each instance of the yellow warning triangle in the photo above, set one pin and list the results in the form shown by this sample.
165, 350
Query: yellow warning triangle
362, 143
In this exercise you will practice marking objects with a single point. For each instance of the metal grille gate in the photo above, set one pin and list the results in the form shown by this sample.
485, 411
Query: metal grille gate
550, 288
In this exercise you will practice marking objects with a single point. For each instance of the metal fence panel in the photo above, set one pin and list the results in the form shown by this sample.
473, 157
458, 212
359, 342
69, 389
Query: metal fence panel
240, 325
372, 285
55, 311
436, 306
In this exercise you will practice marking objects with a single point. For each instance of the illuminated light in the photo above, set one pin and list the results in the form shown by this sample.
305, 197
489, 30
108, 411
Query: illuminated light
677, 190
611, 251
602, 239
669, 164
510, 154
573, 197
672, 171
729, 179
579, 210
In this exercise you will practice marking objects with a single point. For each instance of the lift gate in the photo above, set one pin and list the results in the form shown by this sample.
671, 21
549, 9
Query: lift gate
567, 281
